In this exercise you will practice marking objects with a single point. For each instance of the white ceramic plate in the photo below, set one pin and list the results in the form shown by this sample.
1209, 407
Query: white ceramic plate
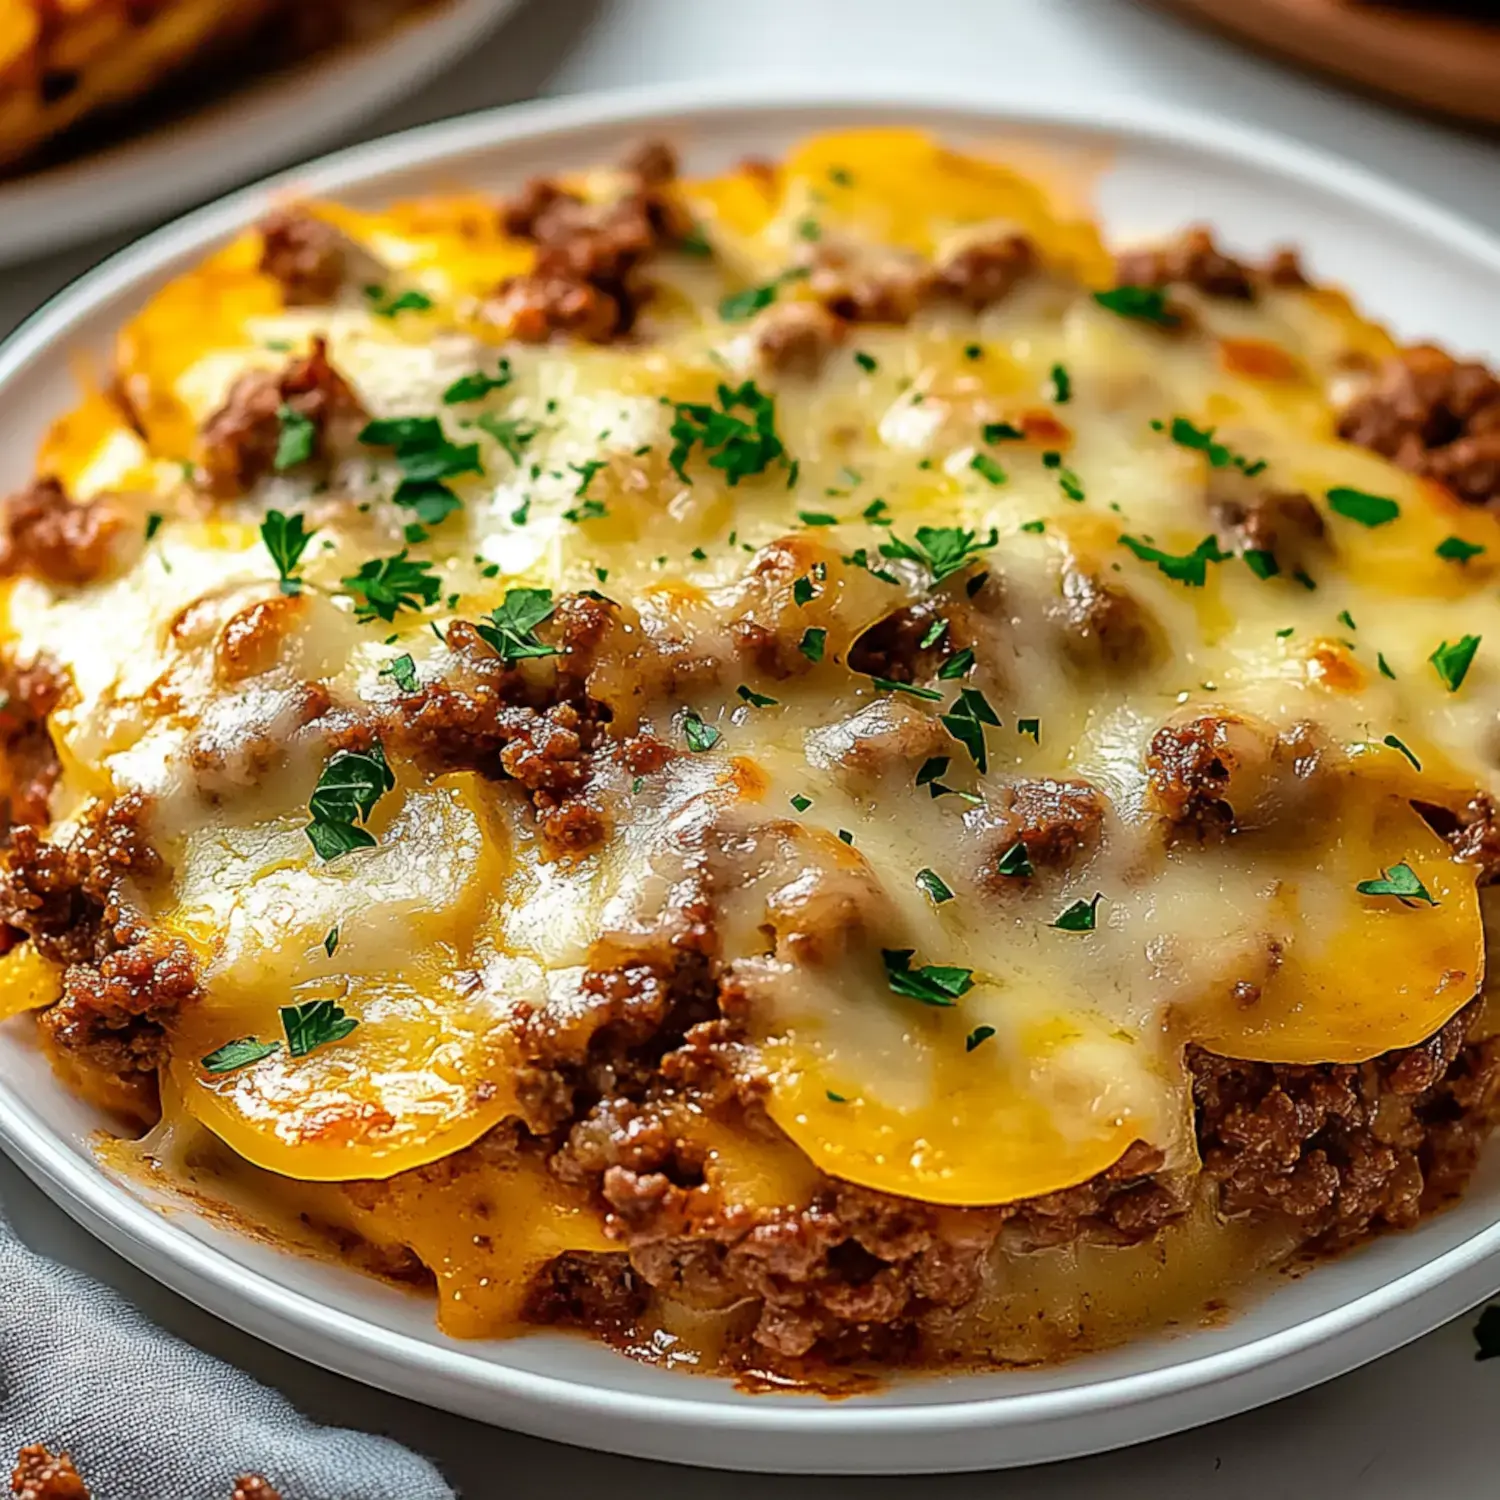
1427, 272
255, 127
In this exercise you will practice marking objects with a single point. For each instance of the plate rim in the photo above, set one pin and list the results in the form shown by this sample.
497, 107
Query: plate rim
117, 186
347, 1342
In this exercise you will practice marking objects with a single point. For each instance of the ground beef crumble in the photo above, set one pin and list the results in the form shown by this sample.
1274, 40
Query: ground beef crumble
1436, 416
239, 442
586, 282
305, 254
49, 535
29, 765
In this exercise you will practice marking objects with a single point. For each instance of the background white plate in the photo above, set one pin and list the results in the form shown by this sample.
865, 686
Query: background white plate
258, 125
1428, 273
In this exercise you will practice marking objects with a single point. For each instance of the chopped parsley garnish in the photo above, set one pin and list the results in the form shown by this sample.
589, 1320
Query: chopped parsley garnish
695, 242
1002, 432
286, 538
1190, 568
296, 440
817, 518
1034, 527
841, 176
1202, 440
477, 386
387, 585
589, 510
932, 768
331, 941
1285, 631
934, 885
942, 550
834, 1098
314, 1024
1361, 506
510, 432
875, 511
403, 672
800, 802
153, 523
1147, 304
699, 736
956, 665
1396, 744
1080, 916
348, 788
736, 447
426, 458
238, 1054
738, 306
1456, 549
867, 362
933, 634
1384, 665
846, 837
1062, 385
973, 351
384, 306
1261, 562
1346, 620
754, 699
512, 627
890, 685
803, 591
1033, 727
1453, 662
585, 472
982, 464
965, 721
813, 641
1399, 881
1016, 862
932, 984
978, 1037
1070, 484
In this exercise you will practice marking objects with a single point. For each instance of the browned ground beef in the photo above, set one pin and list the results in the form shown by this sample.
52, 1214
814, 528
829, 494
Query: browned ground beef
28, 759
308, 256
47, 534
1436, 416
239, 441
586, 282
42, 1475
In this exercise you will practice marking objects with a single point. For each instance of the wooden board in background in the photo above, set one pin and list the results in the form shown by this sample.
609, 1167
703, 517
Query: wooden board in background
1445, 63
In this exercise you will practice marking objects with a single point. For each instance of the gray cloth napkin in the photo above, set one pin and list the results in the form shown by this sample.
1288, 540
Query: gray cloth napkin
147, 1417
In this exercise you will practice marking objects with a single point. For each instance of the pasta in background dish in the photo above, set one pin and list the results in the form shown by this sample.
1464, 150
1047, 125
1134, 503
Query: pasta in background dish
806, 771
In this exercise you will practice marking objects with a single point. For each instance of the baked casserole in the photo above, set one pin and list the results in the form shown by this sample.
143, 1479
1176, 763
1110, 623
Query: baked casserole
807, 770
63, 61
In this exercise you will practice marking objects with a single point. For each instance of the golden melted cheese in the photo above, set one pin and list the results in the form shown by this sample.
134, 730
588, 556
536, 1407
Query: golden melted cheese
459, 915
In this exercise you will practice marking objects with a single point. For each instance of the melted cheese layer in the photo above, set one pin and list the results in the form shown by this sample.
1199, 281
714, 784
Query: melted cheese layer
804, 826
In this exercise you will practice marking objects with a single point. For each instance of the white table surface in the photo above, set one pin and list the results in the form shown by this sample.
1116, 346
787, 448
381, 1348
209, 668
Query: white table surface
1420, 1422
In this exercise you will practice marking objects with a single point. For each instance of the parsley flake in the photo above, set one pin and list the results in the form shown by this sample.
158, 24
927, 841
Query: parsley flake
1359, 505
331, 941
387, 585
965, 721
867, 362
935, 886
286, 538
800, 802
890, 685
511, 433
1033, 727
1261, 562
985, 466
1396, 744
699, 736
942, 550
296, 440
238, 1054
385, 306
349, 786
1384, 665
736, 447
817, 518
403, 672
1062, 385
1080, 916
979, 1035
754, 699
932, 984
1202, 440
1190, 568
1456, 549
1016, 862
1146, 304
513, 622
956, 665
313, 1025
1399, 881
1453, 662
477, 386
814, 640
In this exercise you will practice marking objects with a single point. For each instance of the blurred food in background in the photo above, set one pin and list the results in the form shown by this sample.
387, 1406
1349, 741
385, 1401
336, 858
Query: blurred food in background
1440, 55
76, 73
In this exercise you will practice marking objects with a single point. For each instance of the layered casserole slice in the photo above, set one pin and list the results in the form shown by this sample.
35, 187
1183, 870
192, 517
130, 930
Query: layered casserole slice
801, 770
